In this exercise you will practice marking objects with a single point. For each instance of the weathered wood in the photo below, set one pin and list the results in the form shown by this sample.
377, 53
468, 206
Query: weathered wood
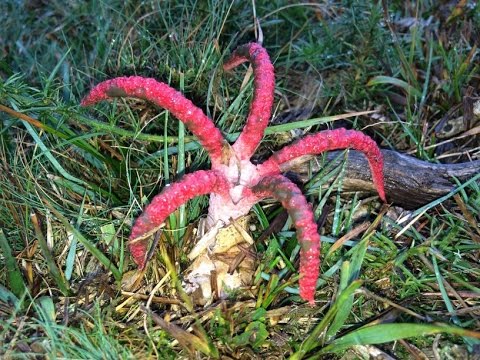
409, 182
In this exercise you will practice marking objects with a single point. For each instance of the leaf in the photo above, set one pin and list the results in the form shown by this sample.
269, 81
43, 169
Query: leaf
254, 335
8, 297
259, 314
109, 236
46, 308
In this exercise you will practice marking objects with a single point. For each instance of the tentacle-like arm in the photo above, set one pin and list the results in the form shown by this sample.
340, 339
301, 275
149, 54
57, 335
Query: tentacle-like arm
163, 95
192, 185
332, 140
261, 107
282, 189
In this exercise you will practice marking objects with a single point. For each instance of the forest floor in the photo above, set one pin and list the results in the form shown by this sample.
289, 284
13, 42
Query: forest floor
395, 282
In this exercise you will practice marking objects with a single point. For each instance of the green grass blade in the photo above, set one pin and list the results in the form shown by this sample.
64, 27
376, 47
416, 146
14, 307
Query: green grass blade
87, 243
276, 129
47, 254
358, 255
70, 261
427, 74
46, 307
8, 297
172, 219
350, 272
192, 145
185, 339
181, 170
69, 136
86, 189
14, 276
54, 72
389, 80
344, 311
72, 251
448, 303
76, 182
338, 213
313, 340
111, 129
419, 212
383, 333
48, 154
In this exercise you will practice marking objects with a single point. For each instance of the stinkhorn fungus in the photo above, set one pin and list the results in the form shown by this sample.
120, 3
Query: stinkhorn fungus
234, 183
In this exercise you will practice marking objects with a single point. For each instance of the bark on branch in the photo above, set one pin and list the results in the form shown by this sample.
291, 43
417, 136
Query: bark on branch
409, 182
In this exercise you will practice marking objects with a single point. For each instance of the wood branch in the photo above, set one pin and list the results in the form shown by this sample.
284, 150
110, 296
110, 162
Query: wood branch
409, 182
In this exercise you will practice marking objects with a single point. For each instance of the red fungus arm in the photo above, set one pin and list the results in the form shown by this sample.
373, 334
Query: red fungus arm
261, 107
332, 140
192, 185
168, 98
290, 196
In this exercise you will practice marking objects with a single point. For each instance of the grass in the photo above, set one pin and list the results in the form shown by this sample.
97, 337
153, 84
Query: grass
72, 180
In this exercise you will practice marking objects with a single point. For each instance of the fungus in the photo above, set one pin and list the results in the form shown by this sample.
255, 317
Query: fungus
234, 183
